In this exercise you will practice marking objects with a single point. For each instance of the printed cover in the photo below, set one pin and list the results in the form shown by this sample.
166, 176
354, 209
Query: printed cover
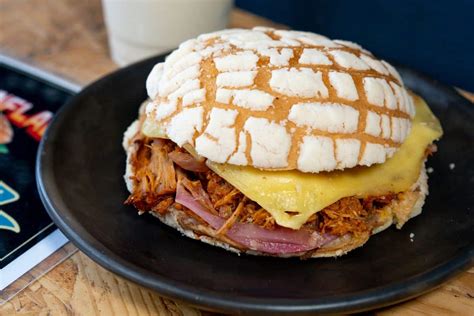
27, 105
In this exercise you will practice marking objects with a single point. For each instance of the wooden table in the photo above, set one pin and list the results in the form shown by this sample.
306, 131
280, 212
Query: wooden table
68, 38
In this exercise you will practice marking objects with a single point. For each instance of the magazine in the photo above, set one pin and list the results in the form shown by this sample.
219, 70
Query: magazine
28, 100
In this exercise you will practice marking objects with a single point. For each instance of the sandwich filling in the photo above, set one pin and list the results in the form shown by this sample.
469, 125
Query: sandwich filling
168, 178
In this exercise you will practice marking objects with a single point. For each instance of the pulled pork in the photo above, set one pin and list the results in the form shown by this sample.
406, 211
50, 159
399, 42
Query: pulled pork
154, 175
157, 167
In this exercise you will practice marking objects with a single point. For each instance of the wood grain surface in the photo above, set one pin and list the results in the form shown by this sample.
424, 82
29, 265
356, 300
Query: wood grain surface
68, 38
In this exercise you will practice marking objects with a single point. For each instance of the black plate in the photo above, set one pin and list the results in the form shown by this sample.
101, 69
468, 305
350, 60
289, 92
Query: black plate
79, 172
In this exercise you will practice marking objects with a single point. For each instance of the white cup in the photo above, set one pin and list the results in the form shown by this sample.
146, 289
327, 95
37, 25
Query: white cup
142, 28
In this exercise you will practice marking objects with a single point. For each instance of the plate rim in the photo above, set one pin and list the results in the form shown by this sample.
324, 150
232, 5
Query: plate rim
211, 300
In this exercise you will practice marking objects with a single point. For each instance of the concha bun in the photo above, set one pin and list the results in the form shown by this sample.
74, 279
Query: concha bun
280, 100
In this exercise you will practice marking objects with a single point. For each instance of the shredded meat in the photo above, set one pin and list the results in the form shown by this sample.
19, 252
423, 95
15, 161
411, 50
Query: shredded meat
156, 178
197, 191
226, 200
163, 205
261, 217
346, 215
222, 194
155, 175
233, 218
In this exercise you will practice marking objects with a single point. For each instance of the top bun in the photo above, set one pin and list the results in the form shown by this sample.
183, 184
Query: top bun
280, 100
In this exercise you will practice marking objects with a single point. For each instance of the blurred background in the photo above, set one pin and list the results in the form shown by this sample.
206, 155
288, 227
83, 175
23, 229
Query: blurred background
433, 36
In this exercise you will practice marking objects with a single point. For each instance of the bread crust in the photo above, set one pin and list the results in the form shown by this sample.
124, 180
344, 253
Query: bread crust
300, 94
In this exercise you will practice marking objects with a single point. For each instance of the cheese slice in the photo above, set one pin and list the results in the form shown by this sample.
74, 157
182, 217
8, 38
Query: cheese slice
291, 197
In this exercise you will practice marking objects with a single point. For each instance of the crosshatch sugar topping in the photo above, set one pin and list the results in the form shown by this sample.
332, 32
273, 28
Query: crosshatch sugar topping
294, 82
282, 100
236, 79
313, 56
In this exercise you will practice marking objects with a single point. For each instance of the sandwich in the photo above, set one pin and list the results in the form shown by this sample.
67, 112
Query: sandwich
279, 143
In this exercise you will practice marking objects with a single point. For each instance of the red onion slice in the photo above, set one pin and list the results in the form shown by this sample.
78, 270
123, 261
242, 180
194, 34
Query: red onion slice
278, 241
187, 161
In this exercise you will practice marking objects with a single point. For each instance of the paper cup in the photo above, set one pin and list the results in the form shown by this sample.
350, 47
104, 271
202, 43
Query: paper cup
142, 28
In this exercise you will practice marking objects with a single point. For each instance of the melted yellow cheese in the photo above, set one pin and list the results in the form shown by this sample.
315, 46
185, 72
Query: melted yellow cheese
304, 194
